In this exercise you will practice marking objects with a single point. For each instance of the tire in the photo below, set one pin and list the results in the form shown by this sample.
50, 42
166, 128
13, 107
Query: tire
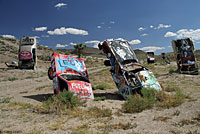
50, 73
125, 91
107, 63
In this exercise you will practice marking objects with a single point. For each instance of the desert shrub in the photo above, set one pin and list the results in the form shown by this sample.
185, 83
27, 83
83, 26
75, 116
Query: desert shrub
102, 98
98, 112
5, 100
2, 42
137, 103
134, 104
170, 88
173, 100
62, 101
20, 105
149, 97
44, 57
103, 86
12, 78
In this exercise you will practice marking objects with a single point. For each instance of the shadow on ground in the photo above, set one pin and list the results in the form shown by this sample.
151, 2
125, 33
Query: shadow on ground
109, 96
39, 97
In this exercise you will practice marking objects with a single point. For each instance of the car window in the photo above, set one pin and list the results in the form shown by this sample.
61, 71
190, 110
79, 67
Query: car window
123, 52
71, 77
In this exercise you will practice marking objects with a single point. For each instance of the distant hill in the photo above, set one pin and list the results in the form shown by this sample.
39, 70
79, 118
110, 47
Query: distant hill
88, 51
9, 52
141, 55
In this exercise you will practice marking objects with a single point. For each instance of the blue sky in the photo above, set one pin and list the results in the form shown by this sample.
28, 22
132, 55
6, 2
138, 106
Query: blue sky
149, 25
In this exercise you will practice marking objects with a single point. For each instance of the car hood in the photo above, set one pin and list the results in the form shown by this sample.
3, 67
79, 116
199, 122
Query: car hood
81, 89
148, 80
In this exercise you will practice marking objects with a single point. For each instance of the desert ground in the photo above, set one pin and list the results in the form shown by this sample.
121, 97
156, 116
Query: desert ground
23, 93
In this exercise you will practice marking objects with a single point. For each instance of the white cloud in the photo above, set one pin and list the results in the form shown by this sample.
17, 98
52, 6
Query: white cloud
141, 28
151, 26
144, 34
170, 34
151, 48
92, 42
112, 22
98, 26
185, 33
45, 46
9, 36
45, 36
40, 28
162, 26
120, 39
134, 42
59, 45
63, 30
37, 37
72, 44
60, 5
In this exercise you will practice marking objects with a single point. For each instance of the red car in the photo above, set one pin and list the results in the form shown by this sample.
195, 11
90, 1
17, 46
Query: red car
70, 73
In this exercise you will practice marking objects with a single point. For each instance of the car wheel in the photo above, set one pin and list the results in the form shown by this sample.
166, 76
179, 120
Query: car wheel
125, 91
50, 73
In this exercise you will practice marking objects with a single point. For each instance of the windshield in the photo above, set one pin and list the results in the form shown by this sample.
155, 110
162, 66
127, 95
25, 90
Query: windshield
71, 77
123, 52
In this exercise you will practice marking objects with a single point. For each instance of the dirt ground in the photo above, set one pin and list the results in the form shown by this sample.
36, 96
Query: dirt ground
22, 91
27, 89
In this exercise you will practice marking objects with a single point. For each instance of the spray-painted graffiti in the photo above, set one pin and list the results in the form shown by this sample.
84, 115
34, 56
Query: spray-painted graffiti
70, 62
82, 90
147, 79
70, 73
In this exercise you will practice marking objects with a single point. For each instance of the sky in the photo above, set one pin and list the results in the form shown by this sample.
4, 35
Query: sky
148, 25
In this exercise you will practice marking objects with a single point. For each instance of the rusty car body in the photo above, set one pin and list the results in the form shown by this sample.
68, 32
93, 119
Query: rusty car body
129, 75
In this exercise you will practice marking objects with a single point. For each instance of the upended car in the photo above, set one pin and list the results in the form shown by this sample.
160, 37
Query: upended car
150, 57
128, 74
185, 58
70, 73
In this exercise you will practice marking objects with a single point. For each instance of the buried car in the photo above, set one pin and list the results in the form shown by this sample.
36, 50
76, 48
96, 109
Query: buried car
185, 58
70, 73
129, 75
27, 53
150, 57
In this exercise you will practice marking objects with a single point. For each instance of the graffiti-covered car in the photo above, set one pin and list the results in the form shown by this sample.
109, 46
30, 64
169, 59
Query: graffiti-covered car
129, 75
70, 73
27, 53
150, 57
185, 58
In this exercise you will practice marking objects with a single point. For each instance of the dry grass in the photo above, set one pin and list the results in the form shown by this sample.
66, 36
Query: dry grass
161, 118
19, 105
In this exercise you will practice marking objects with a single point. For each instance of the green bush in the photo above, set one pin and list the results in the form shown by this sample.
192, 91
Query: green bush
149, 97
12, 79
62, 101
103, 86
100, 98
98, 112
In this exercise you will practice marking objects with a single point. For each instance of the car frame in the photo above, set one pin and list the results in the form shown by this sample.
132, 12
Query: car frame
128, 74
70, 73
